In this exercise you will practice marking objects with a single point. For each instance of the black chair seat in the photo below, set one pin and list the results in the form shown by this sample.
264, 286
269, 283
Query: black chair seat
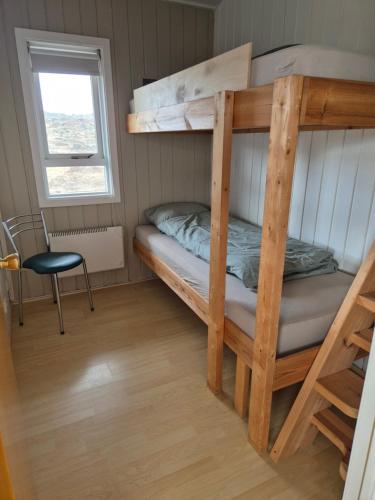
53, 262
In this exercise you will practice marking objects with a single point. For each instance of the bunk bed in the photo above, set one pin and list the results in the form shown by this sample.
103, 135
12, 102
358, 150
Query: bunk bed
284, 107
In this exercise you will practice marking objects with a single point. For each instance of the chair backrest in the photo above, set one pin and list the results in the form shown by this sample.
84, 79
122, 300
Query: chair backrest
19, 224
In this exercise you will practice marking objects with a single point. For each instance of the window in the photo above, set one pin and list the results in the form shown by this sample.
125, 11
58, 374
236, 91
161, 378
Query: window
67, 86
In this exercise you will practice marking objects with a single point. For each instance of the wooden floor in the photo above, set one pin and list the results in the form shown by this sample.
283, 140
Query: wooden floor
118, 408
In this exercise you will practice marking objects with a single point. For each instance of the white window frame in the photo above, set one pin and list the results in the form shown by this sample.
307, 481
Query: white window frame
104, 108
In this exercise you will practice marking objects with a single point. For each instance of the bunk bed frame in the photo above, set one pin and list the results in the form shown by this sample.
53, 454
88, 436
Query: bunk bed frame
285, 107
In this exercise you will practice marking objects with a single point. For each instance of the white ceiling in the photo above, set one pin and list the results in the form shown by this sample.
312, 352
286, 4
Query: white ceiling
211, 4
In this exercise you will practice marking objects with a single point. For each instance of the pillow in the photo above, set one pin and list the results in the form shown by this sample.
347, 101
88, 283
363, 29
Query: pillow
161, 213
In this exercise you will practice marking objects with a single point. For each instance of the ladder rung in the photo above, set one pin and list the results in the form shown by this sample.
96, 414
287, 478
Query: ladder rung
335, 429
367, 300
342, 389
361, 339
343, 470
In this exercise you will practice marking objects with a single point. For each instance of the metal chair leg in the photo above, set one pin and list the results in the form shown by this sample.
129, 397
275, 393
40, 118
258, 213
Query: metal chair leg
20, 298
57, 292
53, 290
88, 285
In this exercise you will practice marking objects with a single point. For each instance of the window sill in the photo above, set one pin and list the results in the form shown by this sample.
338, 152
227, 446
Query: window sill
78, 201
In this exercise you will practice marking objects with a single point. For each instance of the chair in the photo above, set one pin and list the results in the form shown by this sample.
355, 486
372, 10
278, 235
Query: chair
50, 263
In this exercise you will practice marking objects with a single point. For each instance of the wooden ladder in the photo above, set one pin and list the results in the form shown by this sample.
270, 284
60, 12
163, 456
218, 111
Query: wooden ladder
329, 399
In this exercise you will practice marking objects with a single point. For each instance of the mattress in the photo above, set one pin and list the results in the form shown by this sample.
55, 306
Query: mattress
308, 306
309, 60
312, 60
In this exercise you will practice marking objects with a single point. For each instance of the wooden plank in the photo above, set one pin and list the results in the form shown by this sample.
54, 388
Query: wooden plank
186, 292
340, 433
185, 117
361, 339
343, 389
242, 388
332, 357
293, 368
252, 108
220, 182
367, 300
228, 71
283, 143
343, 469
331, 102
239, 342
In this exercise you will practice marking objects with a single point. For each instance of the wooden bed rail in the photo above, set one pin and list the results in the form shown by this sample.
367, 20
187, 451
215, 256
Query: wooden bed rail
326, 104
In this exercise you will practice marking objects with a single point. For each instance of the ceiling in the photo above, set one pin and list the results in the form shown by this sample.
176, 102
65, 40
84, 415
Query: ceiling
211, 4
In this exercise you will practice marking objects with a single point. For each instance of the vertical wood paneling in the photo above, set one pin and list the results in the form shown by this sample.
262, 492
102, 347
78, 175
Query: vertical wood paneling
333, 190
15, 138
149, 38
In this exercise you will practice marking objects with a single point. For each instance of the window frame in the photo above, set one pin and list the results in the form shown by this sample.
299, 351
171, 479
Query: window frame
103, 102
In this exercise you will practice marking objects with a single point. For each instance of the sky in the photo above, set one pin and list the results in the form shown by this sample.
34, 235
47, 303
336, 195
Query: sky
68, 94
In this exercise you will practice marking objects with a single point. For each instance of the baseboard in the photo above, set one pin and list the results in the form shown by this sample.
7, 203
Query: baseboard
83, 290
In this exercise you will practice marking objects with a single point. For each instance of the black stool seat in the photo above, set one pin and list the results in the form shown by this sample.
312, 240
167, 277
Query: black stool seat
53, 262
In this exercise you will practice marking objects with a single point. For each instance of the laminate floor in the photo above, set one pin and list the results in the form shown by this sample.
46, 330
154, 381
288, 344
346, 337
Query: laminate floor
118, 408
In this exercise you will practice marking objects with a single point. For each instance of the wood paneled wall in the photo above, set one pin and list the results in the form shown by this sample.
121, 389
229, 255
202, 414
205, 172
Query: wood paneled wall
333, 195
149, 38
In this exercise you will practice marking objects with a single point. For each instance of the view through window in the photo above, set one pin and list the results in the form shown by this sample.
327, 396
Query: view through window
71, 129
70, 111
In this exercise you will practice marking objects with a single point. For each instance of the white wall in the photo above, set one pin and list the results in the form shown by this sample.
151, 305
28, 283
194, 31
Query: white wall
333, 196
149, 38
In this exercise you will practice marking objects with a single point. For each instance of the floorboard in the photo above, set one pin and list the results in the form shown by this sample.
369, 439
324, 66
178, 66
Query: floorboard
118, 408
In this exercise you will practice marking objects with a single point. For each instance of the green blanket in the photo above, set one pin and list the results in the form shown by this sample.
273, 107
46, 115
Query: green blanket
192, 231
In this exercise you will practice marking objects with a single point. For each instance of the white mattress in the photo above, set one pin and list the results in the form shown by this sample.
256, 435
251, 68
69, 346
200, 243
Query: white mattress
308, 306
310, 60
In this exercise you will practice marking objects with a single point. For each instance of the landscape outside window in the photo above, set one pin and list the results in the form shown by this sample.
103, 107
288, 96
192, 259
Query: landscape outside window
71, 130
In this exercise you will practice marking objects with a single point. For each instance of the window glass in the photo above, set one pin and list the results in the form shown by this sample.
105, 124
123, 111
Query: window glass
77, 180
69, 116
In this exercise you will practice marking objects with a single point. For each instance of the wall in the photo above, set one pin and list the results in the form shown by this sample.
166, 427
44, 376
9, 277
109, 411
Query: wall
333, 194
149, 38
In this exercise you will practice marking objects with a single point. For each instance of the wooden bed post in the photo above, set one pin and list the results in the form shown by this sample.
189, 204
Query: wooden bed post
220, 180
242, 388
286, 105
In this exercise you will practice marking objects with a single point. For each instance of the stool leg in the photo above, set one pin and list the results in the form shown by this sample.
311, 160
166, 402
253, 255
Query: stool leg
53, 290
20, 298
57, 292
88, 285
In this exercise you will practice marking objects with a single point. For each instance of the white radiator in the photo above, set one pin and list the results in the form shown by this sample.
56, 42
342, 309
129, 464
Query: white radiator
102, 247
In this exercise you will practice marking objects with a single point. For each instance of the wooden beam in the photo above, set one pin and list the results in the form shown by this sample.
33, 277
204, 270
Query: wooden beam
227, 71
293, 368
186, 117
286, 107
242, 388
338, 103
220, 181
186, 292
252, 108
239, 342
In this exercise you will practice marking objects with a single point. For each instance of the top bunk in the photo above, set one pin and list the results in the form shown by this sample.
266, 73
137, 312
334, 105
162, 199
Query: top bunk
338, 91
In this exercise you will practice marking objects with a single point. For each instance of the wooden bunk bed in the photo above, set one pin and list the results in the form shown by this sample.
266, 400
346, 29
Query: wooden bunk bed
285, 107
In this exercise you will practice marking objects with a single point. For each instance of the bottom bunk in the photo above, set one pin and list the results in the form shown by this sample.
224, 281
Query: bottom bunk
308, 308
